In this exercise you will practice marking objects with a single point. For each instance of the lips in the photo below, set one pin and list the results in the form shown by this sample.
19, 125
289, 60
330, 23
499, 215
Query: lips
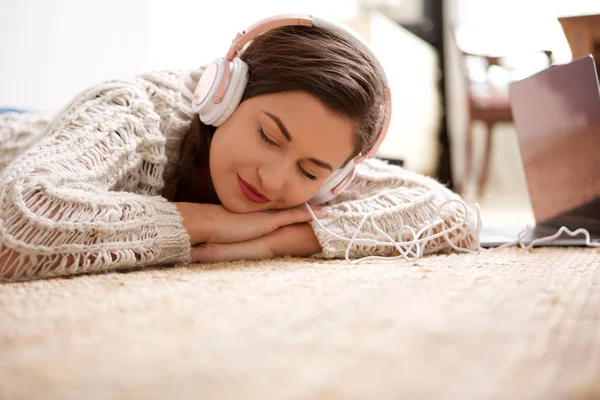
251, 193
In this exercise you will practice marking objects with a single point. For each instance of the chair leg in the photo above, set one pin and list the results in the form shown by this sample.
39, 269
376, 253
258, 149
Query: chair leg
483, 178
468, 157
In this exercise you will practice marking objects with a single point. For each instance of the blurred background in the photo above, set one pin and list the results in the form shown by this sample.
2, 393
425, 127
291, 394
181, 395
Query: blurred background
449, 63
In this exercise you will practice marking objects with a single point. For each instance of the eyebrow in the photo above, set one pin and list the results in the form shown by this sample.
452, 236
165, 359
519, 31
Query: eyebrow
287, 135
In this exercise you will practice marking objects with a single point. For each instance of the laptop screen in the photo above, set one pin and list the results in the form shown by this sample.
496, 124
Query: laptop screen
557, 116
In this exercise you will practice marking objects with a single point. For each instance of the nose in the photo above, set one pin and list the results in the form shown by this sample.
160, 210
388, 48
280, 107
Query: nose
273, 177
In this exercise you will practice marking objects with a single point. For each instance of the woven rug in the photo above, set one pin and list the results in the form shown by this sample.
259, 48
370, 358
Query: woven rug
508, 324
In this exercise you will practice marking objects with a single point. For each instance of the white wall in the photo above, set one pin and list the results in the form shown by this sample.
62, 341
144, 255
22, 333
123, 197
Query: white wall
50, 51
179, 26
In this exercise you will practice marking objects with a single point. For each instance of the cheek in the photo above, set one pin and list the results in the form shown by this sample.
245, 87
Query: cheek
230, 152
234, 143
220, 163
301, 191
222, 149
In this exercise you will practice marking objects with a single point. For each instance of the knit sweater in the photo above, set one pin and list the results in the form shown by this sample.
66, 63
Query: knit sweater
80, 191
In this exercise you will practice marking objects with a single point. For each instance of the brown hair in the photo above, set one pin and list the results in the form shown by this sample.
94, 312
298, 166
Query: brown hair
319, 61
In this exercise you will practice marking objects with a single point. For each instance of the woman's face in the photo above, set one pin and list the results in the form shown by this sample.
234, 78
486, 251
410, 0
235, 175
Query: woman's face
283, 145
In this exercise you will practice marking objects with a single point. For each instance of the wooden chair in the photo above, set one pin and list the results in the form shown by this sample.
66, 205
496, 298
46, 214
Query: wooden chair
487, 105
583, 35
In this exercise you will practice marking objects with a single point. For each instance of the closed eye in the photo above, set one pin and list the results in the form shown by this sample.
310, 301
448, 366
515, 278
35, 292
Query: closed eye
266, 139
306, 174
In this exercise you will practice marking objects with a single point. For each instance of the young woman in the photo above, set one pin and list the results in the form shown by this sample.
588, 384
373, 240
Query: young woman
152, 170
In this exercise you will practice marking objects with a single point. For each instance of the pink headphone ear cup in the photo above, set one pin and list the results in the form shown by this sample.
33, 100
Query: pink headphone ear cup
234, 93
325, 193
216, 114
210, 78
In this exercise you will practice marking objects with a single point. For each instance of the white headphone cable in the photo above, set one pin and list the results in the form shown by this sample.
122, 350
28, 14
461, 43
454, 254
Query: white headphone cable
405, 248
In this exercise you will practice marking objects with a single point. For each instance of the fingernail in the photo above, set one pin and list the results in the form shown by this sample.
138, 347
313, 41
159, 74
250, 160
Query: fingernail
323, 212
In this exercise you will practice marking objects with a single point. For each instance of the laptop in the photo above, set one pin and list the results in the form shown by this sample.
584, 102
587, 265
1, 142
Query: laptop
557, 117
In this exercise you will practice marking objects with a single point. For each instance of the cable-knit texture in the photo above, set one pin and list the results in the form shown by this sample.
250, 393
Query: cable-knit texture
79, 192
396, 198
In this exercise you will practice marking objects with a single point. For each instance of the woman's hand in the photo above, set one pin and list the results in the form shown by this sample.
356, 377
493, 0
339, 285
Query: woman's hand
210, 223
296, 240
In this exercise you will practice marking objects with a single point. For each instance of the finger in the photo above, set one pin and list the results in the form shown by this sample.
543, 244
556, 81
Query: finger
294, 240
215, 252
280, 210
296, 215
320, 211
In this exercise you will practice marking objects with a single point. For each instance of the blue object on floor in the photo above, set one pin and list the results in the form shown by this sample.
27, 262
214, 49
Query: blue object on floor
4, 110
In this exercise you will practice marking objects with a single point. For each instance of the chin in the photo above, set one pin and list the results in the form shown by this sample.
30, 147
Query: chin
231, 203
236, 207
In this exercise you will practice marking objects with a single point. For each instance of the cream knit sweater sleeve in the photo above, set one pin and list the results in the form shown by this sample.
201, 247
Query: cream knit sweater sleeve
396, 198
84, 196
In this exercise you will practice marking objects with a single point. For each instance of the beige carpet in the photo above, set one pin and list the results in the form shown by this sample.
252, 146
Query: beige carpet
503, 325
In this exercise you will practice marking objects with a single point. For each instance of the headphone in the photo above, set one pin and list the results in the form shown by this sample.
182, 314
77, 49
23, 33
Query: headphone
223, 82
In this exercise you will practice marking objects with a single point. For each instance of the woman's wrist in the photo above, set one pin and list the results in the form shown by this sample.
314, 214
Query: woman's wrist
195, 220
298, 240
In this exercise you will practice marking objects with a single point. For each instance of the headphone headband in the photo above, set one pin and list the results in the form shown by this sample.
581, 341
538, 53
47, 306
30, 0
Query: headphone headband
222, 84
278, 21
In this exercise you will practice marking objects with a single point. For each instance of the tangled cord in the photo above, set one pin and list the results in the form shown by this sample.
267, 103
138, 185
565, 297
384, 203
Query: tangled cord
547, 239
413, 249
